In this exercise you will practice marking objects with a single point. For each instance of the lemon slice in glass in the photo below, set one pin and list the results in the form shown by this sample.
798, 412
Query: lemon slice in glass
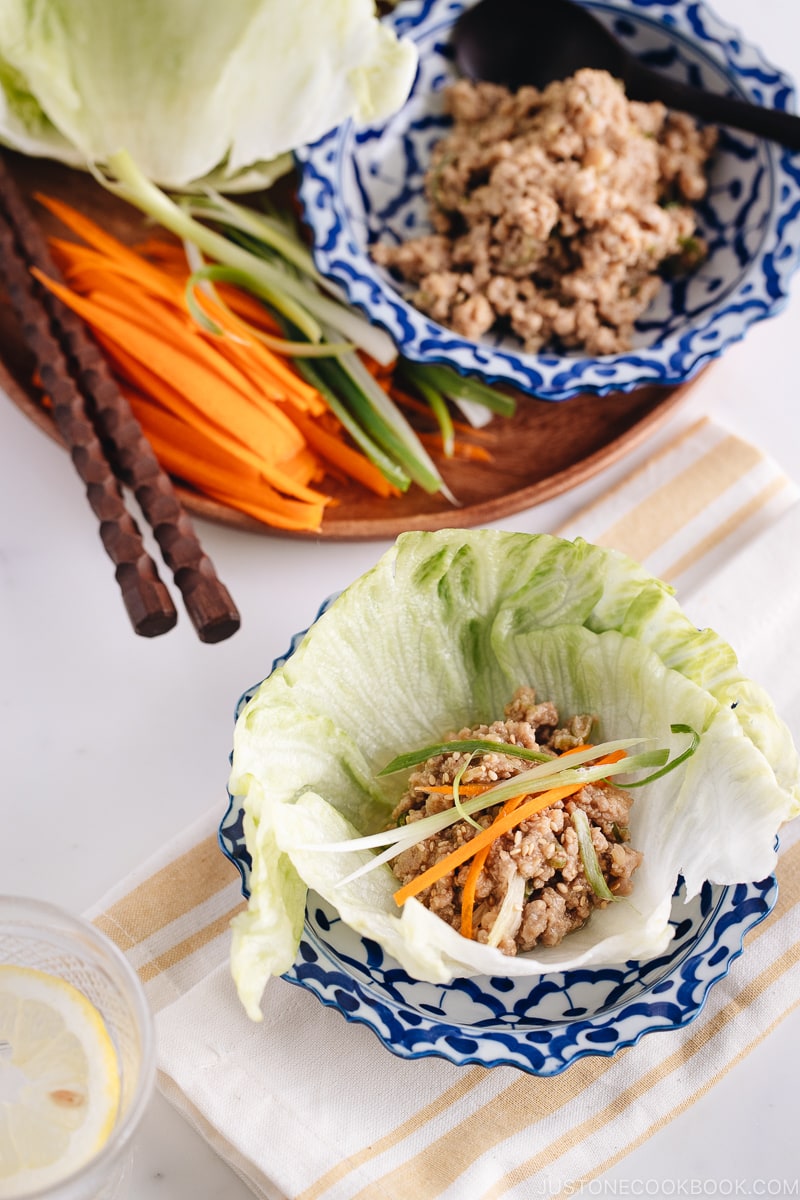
59, 1080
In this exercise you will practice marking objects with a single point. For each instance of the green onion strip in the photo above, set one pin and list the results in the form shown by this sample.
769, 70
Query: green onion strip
457, 805
124, 178
591, 863
545, 775
675, 762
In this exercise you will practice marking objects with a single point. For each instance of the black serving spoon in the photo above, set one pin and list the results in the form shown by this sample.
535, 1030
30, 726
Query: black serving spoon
518, 42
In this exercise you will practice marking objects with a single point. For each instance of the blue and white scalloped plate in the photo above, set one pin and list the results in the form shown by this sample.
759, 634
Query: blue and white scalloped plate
362, 185
541, 1025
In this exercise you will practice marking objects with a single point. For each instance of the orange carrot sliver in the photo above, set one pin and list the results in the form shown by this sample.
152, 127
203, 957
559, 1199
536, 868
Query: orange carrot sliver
88, 265
341, 455
261, 433
475, 868
478, 862
256, 425
202, 462
99, 239
485, 838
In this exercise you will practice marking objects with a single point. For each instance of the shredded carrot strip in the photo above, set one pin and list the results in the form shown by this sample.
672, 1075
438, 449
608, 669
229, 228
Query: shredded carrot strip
85, 268
475, 868
510, 806
341, 455
264, 428
465, 450
478, 862
498, 827
100, 240
226, 413
225, 475
167, 398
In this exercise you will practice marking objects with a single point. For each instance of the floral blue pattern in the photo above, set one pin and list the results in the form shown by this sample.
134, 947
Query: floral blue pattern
362, 185
540, 1026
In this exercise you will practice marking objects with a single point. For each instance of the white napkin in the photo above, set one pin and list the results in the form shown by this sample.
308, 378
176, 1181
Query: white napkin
308, 1106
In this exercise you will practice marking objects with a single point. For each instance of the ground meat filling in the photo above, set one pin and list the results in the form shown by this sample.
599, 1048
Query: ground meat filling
543, 850
554, 212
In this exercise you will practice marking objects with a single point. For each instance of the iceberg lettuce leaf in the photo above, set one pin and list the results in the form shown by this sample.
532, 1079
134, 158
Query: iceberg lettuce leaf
193, 91
436, 637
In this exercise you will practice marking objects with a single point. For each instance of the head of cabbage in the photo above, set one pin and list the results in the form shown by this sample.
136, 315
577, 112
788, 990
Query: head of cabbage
436, 637
195, 93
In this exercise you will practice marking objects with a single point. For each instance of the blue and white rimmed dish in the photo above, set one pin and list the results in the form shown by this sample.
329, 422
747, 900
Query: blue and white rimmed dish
363, 185
539, 1025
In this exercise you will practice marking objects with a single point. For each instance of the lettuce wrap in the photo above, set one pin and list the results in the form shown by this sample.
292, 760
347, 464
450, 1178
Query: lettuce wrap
437, 637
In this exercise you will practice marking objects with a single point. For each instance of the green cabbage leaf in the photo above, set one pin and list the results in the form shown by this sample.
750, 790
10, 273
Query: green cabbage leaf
194, 92
436, 637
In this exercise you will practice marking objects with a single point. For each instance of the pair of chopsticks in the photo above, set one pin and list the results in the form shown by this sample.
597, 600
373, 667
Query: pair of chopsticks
107, 445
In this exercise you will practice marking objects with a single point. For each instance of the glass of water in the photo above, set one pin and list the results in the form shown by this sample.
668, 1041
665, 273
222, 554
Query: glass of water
77, 1056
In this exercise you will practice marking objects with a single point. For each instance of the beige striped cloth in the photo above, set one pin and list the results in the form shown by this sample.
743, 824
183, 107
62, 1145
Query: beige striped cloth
307, 1106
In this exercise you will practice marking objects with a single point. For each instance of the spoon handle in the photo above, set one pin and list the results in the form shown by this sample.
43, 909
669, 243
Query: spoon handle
782, 127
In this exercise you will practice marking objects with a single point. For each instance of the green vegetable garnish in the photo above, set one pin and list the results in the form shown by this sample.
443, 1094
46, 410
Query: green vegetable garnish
457, 805
673, 763
591, 863
464, 746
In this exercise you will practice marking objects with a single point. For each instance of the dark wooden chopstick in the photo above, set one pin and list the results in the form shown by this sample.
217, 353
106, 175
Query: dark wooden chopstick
107, 443
147, 600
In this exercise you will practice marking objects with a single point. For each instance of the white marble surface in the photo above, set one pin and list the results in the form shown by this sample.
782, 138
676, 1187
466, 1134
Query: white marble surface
112, 743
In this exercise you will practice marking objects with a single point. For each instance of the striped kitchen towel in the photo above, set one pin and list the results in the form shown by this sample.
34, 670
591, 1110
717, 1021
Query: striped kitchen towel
712, 515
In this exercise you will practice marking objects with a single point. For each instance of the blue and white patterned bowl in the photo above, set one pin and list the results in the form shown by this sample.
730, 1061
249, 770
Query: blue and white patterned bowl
539, 1025
362, 185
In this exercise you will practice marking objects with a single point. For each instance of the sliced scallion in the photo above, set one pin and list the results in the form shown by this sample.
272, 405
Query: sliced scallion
351, 422
221, 208
404, 443
671, 764
342, 382
591, 863
463, 387
414, 757
125, 179
539, 779
457, 805
436, 402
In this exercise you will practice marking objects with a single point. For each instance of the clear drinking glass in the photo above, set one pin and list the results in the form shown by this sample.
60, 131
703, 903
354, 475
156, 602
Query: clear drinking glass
40, 936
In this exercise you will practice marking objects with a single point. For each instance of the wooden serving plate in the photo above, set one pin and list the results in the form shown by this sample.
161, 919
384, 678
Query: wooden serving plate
545, 449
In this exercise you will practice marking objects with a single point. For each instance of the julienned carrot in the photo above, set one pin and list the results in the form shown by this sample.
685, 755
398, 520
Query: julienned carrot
479, 861
290, 474
202, 462
87, 270
340, 455
475, 868
186, 410
261, 433
465, 450
99, 239
112, 312
267, 431
485, 838
254, 356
